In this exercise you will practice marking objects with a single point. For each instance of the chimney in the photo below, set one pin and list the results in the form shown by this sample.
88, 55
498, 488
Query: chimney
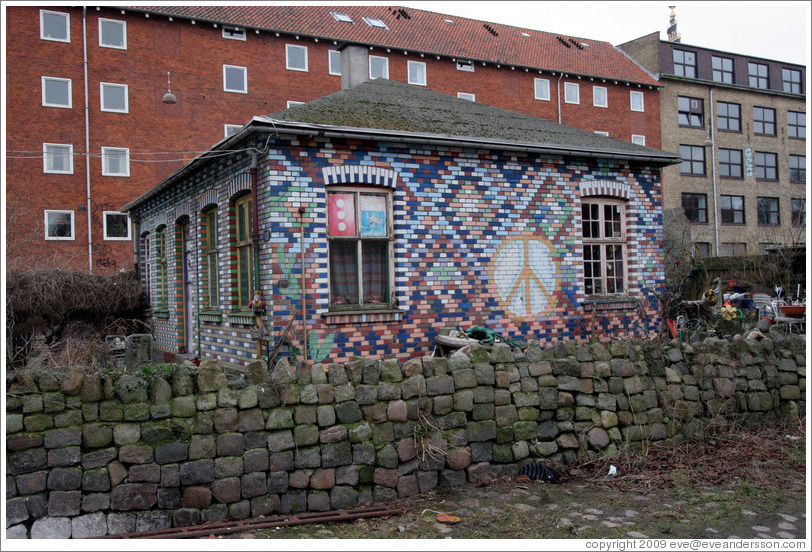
354, 65
673, 35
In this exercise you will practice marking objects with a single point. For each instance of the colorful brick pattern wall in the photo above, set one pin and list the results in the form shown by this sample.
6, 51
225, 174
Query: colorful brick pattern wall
468, 225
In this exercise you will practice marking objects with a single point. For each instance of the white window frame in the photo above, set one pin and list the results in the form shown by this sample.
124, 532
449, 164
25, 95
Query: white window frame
636, 94
292, 103
385, 61
417, 65
639, 139
104, 224
602, 132
603, 241
45, 156
466, 96
544, 92
65, 16
334, 56
123, 33
70, 92
72, 225
234, 33
375, 22
230, 129
343, 17
595, 92
288, 49
465, 65
102, 86
244, 80
571, 88
105, 150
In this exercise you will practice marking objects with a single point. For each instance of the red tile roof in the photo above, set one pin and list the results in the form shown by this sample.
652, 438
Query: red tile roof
430, 33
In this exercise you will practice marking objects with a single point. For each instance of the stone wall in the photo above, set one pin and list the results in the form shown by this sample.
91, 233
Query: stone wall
94, 454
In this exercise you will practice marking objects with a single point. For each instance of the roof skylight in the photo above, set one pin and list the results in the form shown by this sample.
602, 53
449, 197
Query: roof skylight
375, 23
341, 17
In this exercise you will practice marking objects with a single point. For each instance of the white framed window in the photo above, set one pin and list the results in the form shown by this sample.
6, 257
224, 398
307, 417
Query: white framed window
113, 33
343, 17
372, 22
541, 89
636, 99
465, 66
54, 26
603, 224
115, 161
235, 79
295, 57
600, 96
234, 33
572, 93
116, 226
417, 73
57, 92
602, 132
57, 158
230, 129
378, 67
334, 62
59, 225
292, 103
638, 139
114, 97
466, 96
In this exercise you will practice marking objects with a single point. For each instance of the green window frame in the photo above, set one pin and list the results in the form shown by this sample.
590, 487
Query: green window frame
244, 248
211, 258
161, 299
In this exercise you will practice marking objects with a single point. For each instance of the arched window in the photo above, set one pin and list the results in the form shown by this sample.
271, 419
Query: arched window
243, 250
160, 290
209, 231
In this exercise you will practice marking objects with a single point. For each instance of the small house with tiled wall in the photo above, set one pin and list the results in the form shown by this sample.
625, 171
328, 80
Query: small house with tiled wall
372, 219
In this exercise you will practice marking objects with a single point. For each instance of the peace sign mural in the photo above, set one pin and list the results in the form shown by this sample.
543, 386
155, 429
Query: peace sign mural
524, 273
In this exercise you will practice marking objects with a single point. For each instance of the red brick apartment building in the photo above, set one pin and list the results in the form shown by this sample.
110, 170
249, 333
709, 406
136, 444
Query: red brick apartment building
89, 127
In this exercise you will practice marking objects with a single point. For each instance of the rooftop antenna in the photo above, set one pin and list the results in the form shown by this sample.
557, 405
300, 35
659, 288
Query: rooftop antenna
673, 35
169, 97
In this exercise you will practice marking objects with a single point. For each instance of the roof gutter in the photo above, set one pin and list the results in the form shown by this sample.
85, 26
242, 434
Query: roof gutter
278, 127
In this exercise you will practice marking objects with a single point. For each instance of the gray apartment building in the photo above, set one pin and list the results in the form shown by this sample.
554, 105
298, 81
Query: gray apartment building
739, 124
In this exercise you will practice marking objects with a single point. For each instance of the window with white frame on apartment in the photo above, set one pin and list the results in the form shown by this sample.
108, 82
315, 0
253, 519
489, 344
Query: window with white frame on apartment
115, 161
57, 158
604, 237
417, 73
116, 226
114, 97
572, 93
466, 96
113, 34
295, 57
59, 225
334, 62
54, 26
231, 129
541, 89
465, 66
378, 67
600, 97
602, 132
636, 100
638, 139
57, 92
234, 33
235, 79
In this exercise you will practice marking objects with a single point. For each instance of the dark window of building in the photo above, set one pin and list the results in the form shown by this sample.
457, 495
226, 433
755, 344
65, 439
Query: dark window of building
733, 249
764, 121
797, 168
693, 160
792, 81
691, 111
766, 166
684, 64
759, 75
798, 211
722, 69
796, 122
695, 207
730, 163
729, 116
768, 211
732, 209
703, 249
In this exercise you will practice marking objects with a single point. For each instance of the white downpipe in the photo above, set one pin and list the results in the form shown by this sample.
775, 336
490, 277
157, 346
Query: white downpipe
713, 168
558, 94
87, 147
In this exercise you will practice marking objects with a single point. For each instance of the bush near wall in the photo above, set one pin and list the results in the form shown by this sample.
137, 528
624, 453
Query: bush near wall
94, 454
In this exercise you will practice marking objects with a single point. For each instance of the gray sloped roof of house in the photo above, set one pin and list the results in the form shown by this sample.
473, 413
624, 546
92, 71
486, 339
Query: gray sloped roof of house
394, 107
392, 111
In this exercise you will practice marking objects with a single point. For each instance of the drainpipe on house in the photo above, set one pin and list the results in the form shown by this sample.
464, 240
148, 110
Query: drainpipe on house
713, 169
87, 147
252, 171
558, 94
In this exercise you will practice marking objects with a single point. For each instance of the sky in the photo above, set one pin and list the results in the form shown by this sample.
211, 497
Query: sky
777, 30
